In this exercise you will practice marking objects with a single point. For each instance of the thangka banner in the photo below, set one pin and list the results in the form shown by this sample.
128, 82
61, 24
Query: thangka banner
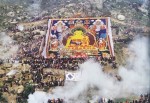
78, 37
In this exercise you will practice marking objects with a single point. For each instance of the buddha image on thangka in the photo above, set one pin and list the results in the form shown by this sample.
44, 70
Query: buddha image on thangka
79, 39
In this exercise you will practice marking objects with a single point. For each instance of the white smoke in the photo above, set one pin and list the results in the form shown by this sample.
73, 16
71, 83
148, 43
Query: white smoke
138, 67
38, 97
135, 79
7, 47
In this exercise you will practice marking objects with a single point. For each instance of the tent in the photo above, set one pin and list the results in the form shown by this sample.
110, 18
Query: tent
73, 76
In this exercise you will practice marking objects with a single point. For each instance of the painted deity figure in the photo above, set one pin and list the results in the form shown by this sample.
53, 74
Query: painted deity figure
100, 29
54, 45
59, 28
78, 39
102, 44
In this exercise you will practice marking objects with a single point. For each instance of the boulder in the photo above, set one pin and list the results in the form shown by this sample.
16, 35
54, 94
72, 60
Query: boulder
121, 17
20, 89
11, 14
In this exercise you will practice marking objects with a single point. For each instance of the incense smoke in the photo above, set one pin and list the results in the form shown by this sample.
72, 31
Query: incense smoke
95, 83
137, 68
7, 46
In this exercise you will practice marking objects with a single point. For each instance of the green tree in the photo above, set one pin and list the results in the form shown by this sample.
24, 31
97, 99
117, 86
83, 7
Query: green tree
29, 89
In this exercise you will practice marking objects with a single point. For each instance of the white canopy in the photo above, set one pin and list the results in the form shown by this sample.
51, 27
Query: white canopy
73, 76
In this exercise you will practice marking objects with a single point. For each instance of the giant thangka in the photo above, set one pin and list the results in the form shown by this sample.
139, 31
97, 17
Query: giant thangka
78, 37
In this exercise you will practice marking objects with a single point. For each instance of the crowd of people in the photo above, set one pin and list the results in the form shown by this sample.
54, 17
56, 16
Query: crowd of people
124, 40
4, 88
55, 100
57, 63
142, 99
15, 29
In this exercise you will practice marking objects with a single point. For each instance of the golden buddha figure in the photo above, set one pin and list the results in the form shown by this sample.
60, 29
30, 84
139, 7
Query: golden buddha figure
78, 39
